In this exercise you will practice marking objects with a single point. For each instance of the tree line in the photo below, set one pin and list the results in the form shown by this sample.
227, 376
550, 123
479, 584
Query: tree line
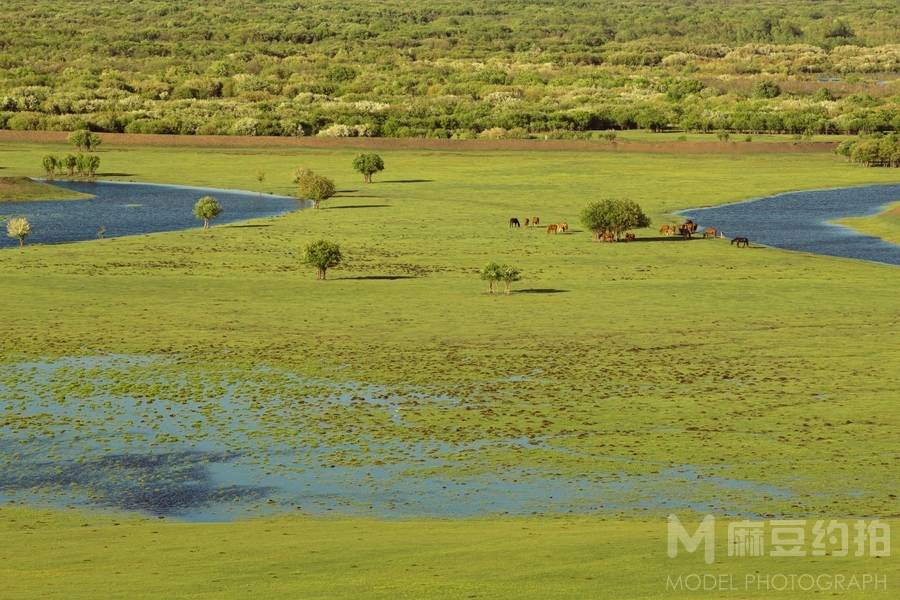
473, 68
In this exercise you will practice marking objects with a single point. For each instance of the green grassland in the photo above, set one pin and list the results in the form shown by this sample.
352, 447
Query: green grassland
759, 365
885, 225
69, 554
24, 189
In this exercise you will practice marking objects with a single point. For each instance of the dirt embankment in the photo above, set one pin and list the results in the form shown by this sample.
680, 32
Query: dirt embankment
213, 141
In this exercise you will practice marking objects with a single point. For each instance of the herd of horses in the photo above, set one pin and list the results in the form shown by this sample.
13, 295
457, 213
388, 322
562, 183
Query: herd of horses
536, 222
686, 230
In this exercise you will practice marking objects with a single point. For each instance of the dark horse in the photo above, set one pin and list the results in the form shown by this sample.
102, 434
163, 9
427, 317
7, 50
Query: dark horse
687, 229
514, 222
741, 241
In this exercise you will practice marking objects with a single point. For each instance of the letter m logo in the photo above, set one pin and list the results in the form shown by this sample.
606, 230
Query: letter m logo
705, 534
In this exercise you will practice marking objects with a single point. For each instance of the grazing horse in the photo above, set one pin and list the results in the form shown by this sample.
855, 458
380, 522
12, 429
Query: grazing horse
526, 221
514, 222
630, 237
553, 228
741, 241
709, 232
562, 227
535, 221
686, 231
689, 224
667, 230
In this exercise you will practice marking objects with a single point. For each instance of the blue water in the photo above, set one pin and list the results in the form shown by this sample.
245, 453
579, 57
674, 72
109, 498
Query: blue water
133, 208
73, 437
800, 221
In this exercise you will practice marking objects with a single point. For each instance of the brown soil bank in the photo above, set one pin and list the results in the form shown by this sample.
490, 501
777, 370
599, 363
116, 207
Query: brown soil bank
209, 141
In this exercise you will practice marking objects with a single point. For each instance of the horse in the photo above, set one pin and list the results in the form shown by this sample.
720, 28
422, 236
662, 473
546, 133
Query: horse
741, 241
667, 230
535, 221
562, 227
514, 222
553, 228
689, 224
709, 232
686, 231
630, 237
526, 222
608, 236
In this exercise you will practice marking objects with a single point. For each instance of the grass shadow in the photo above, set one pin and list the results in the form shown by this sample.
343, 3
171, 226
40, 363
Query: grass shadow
665, 238
540, 291
377, 277
356, 206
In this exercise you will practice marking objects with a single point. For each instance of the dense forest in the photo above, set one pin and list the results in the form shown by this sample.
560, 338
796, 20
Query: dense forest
450, 68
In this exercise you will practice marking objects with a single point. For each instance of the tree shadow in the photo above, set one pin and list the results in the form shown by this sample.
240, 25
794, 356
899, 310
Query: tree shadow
377, 277
406, 181
356, 206
670, 238
115, 174
540, 291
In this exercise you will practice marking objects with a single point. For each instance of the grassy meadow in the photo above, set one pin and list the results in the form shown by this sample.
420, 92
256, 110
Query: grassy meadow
23, 188
611, 360
885, 225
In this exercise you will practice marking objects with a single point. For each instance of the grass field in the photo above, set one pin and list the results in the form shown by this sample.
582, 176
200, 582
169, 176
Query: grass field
23, 188
69, 555
885, 225
612, 360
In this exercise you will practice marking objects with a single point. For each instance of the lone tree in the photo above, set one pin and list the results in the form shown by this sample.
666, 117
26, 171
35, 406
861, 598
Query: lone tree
18, 228
509, 274
206, 209
87, 164
313, 186
491, 273
84, 140
70, 161
613, 217
322, 255
495, 272
50, 164
368, 165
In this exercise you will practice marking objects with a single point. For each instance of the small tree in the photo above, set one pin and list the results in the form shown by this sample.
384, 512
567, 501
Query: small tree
84, 140
18, 228
509, 274
50, 163
368, 165
314, 187
613, 217
91, 163
70, 162
322, 255
206, 209
491, 273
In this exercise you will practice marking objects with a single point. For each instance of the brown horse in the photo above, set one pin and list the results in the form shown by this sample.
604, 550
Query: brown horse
526, 221
514, 222
741, 241
553, 228
667, 230
709, 232
563, 227
630, 237
535, 221
608, 236
686, 231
